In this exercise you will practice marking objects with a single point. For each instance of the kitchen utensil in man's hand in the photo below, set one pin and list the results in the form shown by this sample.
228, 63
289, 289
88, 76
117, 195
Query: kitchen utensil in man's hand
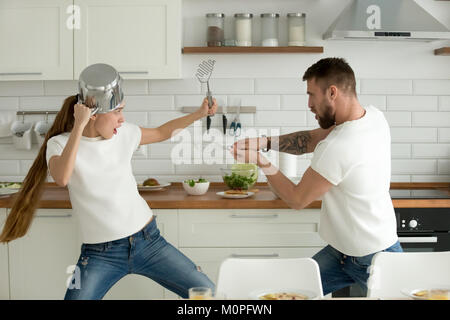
203, 74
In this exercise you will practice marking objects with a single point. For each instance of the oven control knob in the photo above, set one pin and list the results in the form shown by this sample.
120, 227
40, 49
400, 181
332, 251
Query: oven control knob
413, 223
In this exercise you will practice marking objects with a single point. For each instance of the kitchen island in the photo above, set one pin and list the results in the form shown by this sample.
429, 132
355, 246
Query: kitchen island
207, 228
174, 197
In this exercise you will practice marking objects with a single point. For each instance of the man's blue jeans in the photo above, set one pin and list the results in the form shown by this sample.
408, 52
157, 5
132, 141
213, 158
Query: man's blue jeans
338, 270
146, 253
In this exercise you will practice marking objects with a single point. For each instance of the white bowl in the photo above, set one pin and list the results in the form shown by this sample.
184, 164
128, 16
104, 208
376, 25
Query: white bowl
198, 189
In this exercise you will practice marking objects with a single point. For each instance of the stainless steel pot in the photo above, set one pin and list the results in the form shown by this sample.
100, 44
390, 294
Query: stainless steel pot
100, 88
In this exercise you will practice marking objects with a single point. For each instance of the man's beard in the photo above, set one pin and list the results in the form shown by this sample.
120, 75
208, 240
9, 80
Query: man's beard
328, 119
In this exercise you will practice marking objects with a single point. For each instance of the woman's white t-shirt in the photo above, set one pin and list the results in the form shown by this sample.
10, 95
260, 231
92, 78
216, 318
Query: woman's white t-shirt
102, 189
357, 215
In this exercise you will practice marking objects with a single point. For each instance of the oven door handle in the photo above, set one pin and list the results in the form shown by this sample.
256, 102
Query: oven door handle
417, 239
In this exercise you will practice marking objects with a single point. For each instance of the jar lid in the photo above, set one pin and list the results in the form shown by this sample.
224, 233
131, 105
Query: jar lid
243, 15
298, 14
269, 15
215, 15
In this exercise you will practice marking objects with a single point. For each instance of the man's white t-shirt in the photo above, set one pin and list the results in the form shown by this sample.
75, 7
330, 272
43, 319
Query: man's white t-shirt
102, 188
357, 215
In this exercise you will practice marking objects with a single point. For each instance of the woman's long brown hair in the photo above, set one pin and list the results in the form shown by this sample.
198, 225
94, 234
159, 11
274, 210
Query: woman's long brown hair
25, 204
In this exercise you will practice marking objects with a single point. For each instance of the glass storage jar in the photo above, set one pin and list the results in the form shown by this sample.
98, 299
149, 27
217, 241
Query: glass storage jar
215, 30
269, 29
243, 29
296, 29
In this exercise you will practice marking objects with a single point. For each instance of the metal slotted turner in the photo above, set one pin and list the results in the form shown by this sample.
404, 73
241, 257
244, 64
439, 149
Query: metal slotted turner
203, 74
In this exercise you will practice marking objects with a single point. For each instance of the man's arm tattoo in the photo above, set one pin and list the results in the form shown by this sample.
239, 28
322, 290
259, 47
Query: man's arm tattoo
293, 143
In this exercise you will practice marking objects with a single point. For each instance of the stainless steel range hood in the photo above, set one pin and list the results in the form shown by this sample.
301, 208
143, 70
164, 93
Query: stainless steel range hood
386, 20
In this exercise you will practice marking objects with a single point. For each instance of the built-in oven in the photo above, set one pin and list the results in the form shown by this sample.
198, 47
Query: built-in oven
423, 229
418, 229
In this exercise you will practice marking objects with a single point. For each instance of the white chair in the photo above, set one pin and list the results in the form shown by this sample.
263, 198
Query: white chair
391, 272
239, 277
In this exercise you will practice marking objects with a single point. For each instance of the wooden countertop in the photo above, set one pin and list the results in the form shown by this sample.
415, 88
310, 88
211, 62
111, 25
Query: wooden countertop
174, 197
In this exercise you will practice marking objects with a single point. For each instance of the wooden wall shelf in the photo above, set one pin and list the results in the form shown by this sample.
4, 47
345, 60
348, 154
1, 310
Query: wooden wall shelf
445, 51
200, 50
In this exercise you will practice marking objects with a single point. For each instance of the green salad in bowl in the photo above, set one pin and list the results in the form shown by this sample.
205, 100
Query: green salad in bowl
240, 176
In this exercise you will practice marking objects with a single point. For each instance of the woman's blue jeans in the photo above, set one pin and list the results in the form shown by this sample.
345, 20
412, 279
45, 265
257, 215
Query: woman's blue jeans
338, 270
146, 253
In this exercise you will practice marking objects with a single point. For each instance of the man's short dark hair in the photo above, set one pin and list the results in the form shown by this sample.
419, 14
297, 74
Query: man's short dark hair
332, 71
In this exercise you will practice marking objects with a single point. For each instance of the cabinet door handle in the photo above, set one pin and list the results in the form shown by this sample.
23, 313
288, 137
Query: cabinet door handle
55, 216
254, 216
270, 255
417, 239
20, 73
134, 72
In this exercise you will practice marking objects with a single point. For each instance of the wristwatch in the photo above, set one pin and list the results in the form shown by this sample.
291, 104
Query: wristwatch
268, 144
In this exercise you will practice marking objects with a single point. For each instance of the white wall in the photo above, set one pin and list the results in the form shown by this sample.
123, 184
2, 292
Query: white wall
403, 79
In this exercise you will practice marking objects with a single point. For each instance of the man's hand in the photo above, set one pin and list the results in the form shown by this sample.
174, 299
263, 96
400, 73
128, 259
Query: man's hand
250, 156
251, 144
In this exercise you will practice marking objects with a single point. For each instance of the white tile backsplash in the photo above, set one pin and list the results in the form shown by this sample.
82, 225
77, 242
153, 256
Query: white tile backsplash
444, 134
61, 87
444, 167
412, 103
280, 86
283, 118
9, 103
417, 112
414, 134
431, 119
432, 87
149, 103
182, 86
398, 119
294, 102
433, 151
414, 166
374, 100
230, 86
386, 86
21, 88
9, 167
444, 103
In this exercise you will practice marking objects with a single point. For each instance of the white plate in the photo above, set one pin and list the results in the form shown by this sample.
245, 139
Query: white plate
4, 192
411, 292
150, 188
257, 294
235, 196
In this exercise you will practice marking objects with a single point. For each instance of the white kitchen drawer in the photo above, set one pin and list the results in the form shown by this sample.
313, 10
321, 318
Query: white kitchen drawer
249, 228
210, 259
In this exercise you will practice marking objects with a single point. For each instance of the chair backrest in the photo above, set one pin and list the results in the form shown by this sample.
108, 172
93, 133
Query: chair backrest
391, 272
239, 277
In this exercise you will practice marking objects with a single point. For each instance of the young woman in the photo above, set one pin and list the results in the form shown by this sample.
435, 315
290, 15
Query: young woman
91, 155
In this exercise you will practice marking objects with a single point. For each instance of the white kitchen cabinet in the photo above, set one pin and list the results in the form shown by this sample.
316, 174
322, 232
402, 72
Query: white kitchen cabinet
210, 259
140, 38
37, 43
4, 268
39, 261
138, 287
249, 228
209, 237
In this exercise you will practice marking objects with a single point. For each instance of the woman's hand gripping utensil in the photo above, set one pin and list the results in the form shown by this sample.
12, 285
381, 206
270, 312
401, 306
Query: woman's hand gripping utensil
203, 74
235, 128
